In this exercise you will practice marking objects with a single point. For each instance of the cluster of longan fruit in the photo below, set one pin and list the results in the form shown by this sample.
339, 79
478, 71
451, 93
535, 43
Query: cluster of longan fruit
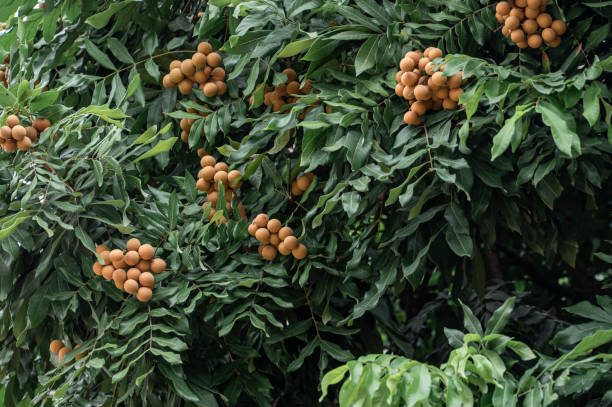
139, 278
58, 348
275, 238
209, 176
4, 72
284, 93
187, 123
202, 68
15, 136
301, 184
527, 23
423, 84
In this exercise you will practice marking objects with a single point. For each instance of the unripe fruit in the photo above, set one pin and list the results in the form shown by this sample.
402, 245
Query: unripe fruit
290, 242
132, 258
282, 249
146, 252
55, 346
133, 244
284, 232
204, 47
512, 22
412, 118
199, 60
274, 225
252, 229
419, 108
176, 75
534, 41
158, 266
97, 268
12, 121
291, 75
407, 64
530, 26
503, 8
544, 20
62, 353
263, 235
131, 286
422, 92
107, 272
300, 252
261, 220
147, 279
18, 132
210, 89
559, 27
143, 265
548, 35
213, 59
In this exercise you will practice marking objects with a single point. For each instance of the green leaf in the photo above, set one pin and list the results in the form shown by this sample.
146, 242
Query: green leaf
161, 147
366, 56
295, 47
332, 377
101, 19
596, 37
43, 100
590, 101
458, 231
522, 350
562, 125
98, 55
470, 322
500, 317
502, 139
119, 50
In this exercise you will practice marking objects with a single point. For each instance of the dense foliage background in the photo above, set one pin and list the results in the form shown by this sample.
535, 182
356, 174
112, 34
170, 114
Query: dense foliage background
411, 230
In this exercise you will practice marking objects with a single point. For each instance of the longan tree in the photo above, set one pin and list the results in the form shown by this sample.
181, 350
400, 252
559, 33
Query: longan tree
371, 203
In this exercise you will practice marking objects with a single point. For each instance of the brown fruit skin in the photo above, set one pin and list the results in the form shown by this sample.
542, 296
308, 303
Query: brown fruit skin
282, 249
499, 18
300, 252
434, 53
412, 118
204, 47
107, 272
293, 87
212, 197
208, 160
548, 35
218, 74
274, 225
534, 3
147, 279
221, 88
97, 268
144, 294
419, 108
106, 257
41, 124
422, 92
119, 264
409, 78
303, 183
291, 75
517, 36
174, 64
101, 248
185, 86
407, 64
62, 352
454, 94
512, 22
5, 132
18, 132
455, 80
31, 133
158, 266
210, 89
268, 252
80, 355
119, 276
208, 173
534, 41
116, 255
188, 67
12, 121
176, 75
252, 229
503, 8
221, 166
199, 60
131, 286
213, 59
442, 93
399, 90
544, 20
132, 258
520, 3
559, 27
438, 79
274, 239
10, 146
143, 265
295, 190
284, 232
531, 13
55, 346
167, 82
261, 220
555, 43
133, 274
290, 242
146, 252
449, 104
263, 235
505, 31
233, 178
24, 144
220, 176
133, 244
202, 185
530, 26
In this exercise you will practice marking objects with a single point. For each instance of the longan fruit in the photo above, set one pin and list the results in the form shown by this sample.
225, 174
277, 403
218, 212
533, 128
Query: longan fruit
414, 56
284, 232
307, 87
132, 258
185, 86
422, 92
530, 26
233, 179
201, 152
119, 264
512, 22
218, 74
119, 276
408, 92
517, 12
158, 266
107, 272
188, 67
453, 94
282, 249
202, 185
199, 60
291, 75
200, 76
80, 355
295, 190
252, 229
449, 104
116, 255
176, 75
133, 274
499, 18
174, 64
303, 183
442, 93
55, 346
555, 43
221, 166
263, 235
106, 257
548, 35
210, 89
455, 81
412, 118
260, 249
293, 88
147, 279
18, 132
31, 133
213, 59
5, 132
133, 244
221, 88
242, 211
559, 27
398, 76
274, 239
12, 121
300, 252
505, 31
204, 47
131, 286
274, 225
290, 242
146, 251
268, 252
220, 176
143, 265
503, 8
168, 82
419, 108
534, 41
520, 3
212, 197
41, 124
544, 20
531, 13
434, 53
534, 4
261, 220
62, 352
97, 268
24, 144
438, 79
517, 36
10, 146
399, 90
407, 64
208, 160
423, 63
409, 78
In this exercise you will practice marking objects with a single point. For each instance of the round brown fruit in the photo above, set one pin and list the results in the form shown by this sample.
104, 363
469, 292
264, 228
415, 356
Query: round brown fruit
62, 353
409, 78
168, 82
548, 35
208, 160
119, 275
261, 220
295, 190
107, 272
290, 242
80, 355
534, 41
499, 18
55, 346
147, 279
291, 75
116, 255
106, 257
5, 132
293, 88
218, 74
555, 43
282, 249
203, 185
199, 60
205, 48
220, 176
300, 252
453, 94
455, 80
101, 248
158, 266
414, 55
505, 31
97, 268
146, 251
512, 22
213, 59
18, 132
284, 232
188, 67
268, 252
434, 53
274, 239
530, 26
531, 13
544, 20
438, 79
442, 93
412, 118
133, 244
24, 144
303, 183
523, 44
534, 3
274, 225
252, 229
175, 64
517, 35
12, 121
399, 90
419, 108
10, 146
212, 197
143, 265
422, 92
449, 104
423, 63
233, 177
221, 87
503, 8
133, 274
119, 264
262, 235
407, 64
185, 86
559, 27
210, 89
131, 286
520, 3
176, 75
144, 294
132, 258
